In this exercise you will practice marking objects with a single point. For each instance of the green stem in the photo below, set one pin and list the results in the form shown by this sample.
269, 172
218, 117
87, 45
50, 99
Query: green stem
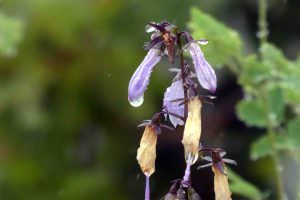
262, 36
275, 154
262, 22
297, 158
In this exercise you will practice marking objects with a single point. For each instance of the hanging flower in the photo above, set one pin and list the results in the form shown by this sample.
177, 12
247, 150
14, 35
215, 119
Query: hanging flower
205, 73
192, 130
141, 77
217, 162
221, 186
173, 93
146, 153
162, 42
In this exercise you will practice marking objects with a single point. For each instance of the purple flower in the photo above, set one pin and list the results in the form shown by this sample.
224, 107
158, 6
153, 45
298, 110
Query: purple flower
141, 77
174, 92
205, 73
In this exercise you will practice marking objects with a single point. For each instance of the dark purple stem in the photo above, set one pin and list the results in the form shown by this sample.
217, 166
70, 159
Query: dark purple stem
147, 189
182, 74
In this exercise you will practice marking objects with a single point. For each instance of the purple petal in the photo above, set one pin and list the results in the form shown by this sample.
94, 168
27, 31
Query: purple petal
205, 73
175, 91
141, 77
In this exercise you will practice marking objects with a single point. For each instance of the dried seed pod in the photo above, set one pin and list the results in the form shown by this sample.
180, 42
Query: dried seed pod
146, 153
221, 185
192, 130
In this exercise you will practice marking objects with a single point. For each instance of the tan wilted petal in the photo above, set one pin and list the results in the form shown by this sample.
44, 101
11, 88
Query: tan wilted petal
192, 130
146, 153
221, 185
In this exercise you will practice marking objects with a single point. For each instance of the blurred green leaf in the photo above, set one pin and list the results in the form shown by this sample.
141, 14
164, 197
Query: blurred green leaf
293, 129
290, 83
224, 43
241, 187
282, 72
262, 147
275, 60
10, 35
254, 72
251, 111
276, 105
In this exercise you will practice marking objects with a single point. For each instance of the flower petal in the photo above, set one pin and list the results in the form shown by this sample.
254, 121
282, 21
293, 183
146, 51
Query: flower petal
205, 73
141, 77
175, 91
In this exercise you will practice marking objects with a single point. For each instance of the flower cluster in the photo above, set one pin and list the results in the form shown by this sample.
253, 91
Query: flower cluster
181, 104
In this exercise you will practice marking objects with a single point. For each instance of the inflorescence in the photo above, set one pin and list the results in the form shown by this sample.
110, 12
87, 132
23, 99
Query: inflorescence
181, 106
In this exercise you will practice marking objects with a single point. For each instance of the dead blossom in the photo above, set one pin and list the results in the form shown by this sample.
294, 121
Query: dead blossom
192, 130
221, 186
146, 153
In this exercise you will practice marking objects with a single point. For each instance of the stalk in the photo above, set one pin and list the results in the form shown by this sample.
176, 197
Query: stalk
263, 36
182, 76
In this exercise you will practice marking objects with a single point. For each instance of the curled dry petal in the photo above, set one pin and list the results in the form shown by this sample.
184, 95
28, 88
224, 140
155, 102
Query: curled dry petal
146, 153
141, 77
175, 91
221, 185
205, 73
192, 130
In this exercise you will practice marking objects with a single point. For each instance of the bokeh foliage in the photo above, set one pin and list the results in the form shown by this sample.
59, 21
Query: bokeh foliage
66, 128
269, 83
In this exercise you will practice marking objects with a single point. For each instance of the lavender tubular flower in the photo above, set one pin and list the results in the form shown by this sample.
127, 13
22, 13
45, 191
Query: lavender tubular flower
175, 91
205, 73
141, 77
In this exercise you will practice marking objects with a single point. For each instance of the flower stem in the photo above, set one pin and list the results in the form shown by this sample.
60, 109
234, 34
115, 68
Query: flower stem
275, 156
262, 22
147, 188
182, 75
187, 173
262, 35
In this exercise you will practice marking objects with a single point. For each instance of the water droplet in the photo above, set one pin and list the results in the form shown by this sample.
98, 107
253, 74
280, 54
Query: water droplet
138, 102
203, 42
149, 28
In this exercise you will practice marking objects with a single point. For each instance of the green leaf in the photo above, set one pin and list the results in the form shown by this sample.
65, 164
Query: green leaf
275, 60
262, 147
290, 83
254, 72
276, 105
293, 129
224, 43
251, 111
10, 35
241, 187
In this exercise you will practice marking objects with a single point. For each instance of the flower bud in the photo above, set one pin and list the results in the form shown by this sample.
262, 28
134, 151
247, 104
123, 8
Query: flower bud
221, 185
146, 153
192, 130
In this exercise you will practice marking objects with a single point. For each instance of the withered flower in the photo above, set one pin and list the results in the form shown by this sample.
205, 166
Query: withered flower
146, 153
192, 130
221, 185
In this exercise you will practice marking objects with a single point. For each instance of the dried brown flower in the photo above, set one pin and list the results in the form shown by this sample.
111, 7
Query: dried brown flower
221, 185
192, 130
146, 153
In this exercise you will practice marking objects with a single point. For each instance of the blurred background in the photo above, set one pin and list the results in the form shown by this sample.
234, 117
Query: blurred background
67, 130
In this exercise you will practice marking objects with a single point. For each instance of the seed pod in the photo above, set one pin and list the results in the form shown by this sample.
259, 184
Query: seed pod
146, 153
221, 185
192, 130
